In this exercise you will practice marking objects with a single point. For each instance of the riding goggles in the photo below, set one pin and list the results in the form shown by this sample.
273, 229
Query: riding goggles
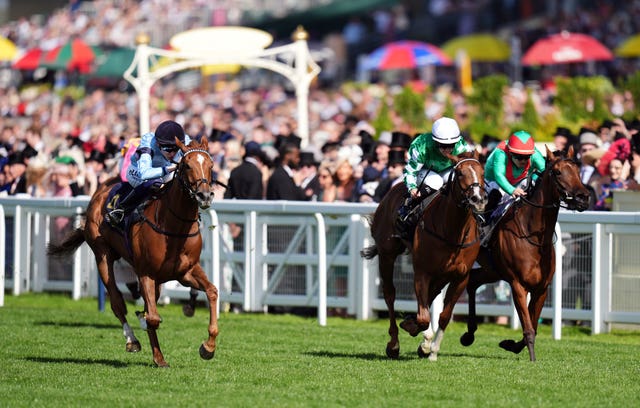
521, 156
169, 148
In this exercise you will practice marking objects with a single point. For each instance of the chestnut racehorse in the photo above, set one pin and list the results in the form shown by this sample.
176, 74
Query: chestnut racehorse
520, 250
445, 245
165, 245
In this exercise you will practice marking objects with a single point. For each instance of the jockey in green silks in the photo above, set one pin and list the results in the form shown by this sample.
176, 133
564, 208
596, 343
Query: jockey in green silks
509, 165
428, 168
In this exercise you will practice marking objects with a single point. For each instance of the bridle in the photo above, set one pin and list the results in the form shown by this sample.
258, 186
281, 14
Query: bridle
466, 197
562, 190
192, 187
464, 203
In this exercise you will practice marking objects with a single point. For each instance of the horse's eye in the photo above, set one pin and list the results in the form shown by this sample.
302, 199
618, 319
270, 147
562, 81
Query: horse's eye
557, 172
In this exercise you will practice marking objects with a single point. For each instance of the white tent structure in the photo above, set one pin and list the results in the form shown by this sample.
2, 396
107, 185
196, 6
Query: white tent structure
222, 46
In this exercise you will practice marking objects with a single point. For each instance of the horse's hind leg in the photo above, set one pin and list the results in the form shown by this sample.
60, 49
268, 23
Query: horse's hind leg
198, 279
150, 293
389, 293
118, 306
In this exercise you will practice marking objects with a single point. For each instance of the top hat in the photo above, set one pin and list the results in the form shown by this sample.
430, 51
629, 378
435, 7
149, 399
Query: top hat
307, 159
562, 131
400, 139
397, 157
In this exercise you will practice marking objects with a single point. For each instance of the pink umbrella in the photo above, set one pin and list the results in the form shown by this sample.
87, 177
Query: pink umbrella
565, 48
406, 55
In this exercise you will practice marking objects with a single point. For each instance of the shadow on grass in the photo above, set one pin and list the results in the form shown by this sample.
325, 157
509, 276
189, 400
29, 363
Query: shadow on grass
85, 361
109, 326
361, 356
405, 357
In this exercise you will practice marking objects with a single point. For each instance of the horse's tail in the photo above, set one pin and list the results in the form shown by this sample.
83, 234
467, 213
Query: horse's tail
369, 252
68, 245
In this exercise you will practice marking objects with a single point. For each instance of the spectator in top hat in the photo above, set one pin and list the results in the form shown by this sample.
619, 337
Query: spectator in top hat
309, 173
400, 141
605, 133
281, 184
397, 161
562, 139
15, 174
246, 181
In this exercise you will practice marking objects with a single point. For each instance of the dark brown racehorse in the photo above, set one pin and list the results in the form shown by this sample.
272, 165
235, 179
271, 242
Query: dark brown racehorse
520, 250
445, 244
165, 245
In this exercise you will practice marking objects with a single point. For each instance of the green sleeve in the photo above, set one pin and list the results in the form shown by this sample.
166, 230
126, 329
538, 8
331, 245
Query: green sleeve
499, 169
538, 164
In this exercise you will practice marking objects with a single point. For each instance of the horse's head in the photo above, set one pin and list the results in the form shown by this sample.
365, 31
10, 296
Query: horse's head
468, 175
566, 176
194, 171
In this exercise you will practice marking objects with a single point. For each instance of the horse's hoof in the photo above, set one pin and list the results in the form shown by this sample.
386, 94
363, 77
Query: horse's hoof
161, 364
206, 354
421, 353
188, 311
409, 325
133, 347
392, 353
510, 345
467, 339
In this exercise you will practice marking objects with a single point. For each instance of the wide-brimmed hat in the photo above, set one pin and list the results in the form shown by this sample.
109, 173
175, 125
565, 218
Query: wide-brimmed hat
592, 156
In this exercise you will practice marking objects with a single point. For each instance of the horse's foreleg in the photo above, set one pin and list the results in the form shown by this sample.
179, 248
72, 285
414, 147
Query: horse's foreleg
454, 291
468, 338
198, 279
520, 301
150, 292
535, 308
423, 318
389, 293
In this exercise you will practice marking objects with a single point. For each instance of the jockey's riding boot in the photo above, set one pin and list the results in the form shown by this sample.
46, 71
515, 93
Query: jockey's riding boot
404, 221
127, 203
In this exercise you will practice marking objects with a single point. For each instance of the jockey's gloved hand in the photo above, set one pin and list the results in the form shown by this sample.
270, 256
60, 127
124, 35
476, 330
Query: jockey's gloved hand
156, 185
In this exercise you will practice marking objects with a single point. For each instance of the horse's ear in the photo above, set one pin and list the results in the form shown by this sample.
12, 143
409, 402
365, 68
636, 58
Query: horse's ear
204, 142
549, 152
180, 144
476, 154
570, 152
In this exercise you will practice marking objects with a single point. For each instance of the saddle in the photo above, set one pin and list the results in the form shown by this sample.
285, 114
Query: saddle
494, 218
119, 192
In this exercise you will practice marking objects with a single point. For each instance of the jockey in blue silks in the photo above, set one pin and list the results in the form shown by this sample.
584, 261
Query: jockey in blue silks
151, 166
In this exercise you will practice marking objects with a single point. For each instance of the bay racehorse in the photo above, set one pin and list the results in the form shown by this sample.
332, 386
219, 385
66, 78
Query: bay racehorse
164, 245
444, 247
521, 252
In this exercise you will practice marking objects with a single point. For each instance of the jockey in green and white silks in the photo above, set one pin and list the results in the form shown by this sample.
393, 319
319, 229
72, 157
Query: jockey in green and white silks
427, 165
428, 168
512, 161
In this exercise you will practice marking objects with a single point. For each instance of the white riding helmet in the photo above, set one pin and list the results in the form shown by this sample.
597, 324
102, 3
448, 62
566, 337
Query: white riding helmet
445, 131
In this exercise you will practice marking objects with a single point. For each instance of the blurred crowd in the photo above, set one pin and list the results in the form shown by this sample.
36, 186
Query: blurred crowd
54, 145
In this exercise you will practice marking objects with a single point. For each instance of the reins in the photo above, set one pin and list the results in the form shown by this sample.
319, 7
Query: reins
461, 204
191, 192
555, 205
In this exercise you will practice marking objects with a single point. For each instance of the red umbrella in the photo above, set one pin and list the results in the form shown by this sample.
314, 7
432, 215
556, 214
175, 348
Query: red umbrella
74, 55
406, 55
564, 48
30, 60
